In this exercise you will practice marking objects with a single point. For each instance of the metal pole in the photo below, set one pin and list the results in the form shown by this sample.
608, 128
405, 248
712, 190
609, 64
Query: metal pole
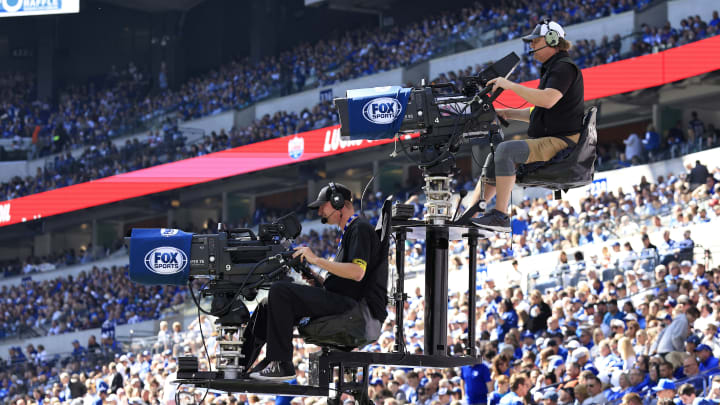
399, 295
472, 287
436, 290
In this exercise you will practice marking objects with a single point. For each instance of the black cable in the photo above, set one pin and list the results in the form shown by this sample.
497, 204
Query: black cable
514, 108
363, 194
177, 394
453, 139
237, 294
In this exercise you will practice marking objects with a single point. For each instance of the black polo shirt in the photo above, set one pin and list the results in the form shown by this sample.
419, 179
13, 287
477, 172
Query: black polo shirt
565, 117
360, 245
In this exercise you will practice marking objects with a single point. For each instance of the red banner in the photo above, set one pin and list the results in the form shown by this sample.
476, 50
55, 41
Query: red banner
232, 162
601, 81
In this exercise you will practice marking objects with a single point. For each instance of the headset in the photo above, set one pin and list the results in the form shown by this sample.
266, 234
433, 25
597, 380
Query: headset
552, 37
337, 200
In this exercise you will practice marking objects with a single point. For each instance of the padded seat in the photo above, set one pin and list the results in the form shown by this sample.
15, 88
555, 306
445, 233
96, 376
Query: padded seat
572, 167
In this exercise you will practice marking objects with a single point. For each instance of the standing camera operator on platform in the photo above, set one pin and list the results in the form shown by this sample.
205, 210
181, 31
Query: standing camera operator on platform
557, 114
352, 276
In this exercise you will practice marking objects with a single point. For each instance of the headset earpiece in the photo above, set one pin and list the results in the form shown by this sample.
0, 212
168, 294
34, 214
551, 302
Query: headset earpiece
337, 200
552, 37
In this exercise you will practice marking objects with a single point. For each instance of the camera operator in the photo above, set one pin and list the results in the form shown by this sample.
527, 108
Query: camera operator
556, 117
352, 276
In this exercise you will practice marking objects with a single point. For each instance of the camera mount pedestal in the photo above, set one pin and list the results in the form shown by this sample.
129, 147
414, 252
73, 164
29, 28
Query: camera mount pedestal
334, 372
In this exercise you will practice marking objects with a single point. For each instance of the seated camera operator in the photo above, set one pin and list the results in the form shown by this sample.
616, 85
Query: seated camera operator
557, 115
352, 276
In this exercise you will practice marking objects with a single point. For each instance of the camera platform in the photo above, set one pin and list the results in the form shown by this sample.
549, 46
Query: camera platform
416, 229
335, 372
326, 368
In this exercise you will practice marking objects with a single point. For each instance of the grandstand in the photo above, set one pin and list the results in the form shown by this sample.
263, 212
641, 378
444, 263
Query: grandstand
157, 116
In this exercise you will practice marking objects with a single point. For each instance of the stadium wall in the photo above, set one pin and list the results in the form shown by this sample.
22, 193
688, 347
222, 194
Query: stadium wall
13, 168
224, 120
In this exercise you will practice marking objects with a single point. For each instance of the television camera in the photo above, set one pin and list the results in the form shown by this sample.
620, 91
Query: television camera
236, 264
443, 115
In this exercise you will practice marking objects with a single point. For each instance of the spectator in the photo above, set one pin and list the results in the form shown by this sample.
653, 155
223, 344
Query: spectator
665, 389
163, 337
595, 390
651, 142
697, 128
519, 388
672, 337
477, 383
78, 351
708, 362
698, 175
633, 147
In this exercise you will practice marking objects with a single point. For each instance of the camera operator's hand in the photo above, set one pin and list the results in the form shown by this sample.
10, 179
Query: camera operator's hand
500, 82
310, 280
306, 253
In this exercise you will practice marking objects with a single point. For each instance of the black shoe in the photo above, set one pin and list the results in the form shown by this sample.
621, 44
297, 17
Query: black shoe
493, 220
276, 371
260, 366
467, 215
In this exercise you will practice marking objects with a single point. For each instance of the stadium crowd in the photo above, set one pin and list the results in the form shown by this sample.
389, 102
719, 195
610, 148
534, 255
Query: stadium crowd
122, 101
86, 301
167, 143
642, 337
539, 226
591, 52
163, 145
68, 257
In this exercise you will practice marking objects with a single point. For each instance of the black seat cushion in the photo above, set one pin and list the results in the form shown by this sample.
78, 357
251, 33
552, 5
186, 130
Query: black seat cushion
345, 331
572, 167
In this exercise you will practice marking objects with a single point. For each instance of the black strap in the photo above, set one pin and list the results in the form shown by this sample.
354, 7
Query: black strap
570, 143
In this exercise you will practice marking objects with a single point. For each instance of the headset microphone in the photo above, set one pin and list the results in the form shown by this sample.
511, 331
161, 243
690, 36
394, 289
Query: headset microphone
535, 50
324, 220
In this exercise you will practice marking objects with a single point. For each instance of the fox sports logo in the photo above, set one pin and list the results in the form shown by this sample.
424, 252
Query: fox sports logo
382, 110
166, 260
